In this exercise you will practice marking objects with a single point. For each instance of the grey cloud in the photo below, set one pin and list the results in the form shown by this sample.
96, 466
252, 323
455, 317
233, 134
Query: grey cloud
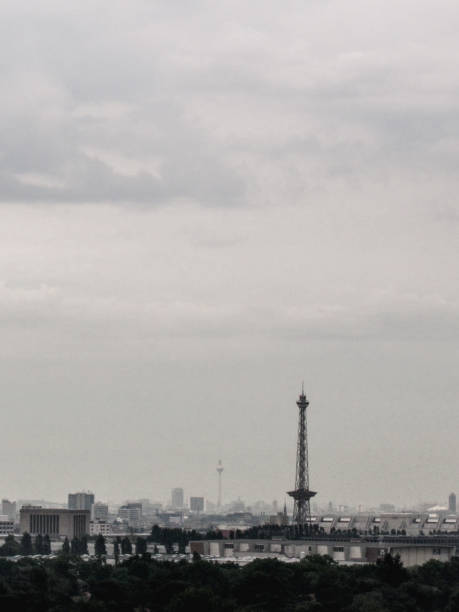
188, 168
194, 81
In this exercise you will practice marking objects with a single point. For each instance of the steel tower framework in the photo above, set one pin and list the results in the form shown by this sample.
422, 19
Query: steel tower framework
302, 493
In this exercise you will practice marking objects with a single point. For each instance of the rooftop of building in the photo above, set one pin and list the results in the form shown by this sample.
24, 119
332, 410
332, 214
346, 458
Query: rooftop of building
25, 509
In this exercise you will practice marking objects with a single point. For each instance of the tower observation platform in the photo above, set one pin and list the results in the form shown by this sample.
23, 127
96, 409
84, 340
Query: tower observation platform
302, 493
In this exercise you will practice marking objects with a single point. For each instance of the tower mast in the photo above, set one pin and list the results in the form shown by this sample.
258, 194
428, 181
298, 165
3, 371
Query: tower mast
219, 471
301, 494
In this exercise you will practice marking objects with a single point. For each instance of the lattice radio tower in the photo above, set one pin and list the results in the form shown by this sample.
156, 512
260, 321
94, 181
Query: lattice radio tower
302, 494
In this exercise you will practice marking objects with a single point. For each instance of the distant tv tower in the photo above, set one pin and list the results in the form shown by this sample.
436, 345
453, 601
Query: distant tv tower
219, 471
302, 494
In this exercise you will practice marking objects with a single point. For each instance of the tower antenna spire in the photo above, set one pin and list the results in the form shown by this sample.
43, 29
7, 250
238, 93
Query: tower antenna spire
219, 472
302, 494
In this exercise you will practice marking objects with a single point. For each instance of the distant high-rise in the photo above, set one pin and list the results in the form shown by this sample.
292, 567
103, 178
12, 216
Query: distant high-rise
452, 502
197, 504
219, 472
132, 513
177, 498
9, 509
100, 511
82, 500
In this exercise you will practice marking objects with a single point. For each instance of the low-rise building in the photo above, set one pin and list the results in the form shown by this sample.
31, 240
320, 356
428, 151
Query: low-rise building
6, 525
100, 528
412, 551
387, 523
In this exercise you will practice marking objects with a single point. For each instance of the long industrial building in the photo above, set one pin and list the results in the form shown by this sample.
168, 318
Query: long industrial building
411, 523
55, 522
412, 551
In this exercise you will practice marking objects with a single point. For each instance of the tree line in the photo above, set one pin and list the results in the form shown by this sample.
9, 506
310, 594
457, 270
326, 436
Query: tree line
314, 584
173, 539
41, 545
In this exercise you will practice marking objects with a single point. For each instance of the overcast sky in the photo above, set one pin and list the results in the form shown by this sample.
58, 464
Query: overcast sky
203, 204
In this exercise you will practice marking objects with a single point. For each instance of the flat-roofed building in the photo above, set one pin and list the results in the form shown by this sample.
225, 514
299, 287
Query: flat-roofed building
412, 551
197, 504
177, 498
9, 508
100, 528
132, 513
6, 525
100, 511
408, 523
55, 522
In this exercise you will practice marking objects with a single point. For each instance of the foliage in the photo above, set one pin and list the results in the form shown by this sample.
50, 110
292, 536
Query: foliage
66, 547
11, 547
78, 546
99, 546
116, 550
126, 546
26, 544
180, 537
315, 584
140, 546
46, 545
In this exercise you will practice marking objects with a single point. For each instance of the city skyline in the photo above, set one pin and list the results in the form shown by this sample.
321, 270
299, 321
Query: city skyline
335, 506
215, 496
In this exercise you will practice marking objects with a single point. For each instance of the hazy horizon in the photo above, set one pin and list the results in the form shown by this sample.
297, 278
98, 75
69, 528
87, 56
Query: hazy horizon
203, 205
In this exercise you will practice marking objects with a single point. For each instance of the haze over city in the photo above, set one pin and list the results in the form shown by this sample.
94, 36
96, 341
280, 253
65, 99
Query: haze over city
205, 204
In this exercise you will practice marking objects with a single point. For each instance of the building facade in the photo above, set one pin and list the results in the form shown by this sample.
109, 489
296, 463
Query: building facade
6, 525
177, 498
100, 528
197, 504
55, 522
9, 509
132, 514
80, 501
387, 523
412, 551
100, 511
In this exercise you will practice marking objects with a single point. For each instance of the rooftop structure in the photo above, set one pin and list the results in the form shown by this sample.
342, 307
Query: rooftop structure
412, 551
6, 525
386, 523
